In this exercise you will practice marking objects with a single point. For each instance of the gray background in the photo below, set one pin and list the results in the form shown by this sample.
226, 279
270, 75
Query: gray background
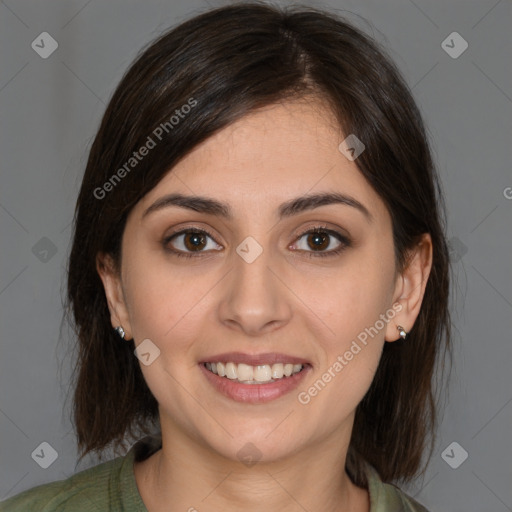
50, 109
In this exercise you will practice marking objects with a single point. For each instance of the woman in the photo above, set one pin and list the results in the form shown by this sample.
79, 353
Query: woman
258, 276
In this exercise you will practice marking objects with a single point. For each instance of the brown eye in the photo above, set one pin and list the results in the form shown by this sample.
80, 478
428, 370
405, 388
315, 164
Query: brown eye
194, 241
319, 239
189, 241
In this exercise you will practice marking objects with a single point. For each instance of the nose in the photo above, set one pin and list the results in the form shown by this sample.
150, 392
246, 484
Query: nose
256, 300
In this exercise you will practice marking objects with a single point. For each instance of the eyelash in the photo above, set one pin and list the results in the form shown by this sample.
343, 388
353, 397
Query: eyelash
345, 242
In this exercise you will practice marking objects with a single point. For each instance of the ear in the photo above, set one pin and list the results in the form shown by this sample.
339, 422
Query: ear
111, 278
410, 287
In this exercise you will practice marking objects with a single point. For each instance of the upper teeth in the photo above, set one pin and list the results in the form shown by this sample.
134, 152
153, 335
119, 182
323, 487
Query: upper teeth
254, 374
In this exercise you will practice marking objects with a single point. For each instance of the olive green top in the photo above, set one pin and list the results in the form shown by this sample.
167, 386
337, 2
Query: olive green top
111, 486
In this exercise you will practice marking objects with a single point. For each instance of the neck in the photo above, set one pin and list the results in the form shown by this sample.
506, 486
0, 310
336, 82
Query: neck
186, 476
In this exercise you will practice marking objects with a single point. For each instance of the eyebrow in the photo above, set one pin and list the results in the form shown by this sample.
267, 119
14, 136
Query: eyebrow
292, 207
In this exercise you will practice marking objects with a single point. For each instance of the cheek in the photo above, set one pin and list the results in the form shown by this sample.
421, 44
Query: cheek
351, 356
165, 307
355, 305
353, 296
160, 295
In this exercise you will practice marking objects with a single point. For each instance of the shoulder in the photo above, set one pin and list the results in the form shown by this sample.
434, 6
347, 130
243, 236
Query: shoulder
389, 498
409, 504
109, 486
90, 489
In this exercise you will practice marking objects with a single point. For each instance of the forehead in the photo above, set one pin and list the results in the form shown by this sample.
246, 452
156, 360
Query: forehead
267, 157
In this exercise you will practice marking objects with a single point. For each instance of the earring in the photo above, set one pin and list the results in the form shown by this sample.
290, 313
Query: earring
402, 332
120, 331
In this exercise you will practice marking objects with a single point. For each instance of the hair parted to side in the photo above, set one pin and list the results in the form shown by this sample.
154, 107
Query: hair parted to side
233, 60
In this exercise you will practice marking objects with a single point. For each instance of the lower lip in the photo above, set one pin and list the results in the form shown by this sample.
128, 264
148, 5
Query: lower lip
254, 393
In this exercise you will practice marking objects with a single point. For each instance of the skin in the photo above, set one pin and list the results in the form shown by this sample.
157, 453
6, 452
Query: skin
284, 301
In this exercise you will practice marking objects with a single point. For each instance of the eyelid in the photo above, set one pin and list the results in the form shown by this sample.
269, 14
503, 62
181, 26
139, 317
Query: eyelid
188, 229
324, 227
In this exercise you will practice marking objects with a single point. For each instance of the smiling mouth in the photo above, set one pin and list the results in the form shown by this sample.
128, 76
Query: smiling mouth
258, 374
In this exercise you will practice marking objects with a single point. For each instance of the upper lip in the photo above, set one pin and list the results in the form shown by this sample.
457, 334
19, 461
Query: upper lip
255, 359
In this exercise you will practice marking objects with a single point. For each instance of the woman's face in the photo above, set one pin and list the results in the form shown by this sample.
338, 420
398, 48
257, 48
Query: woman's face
261, 288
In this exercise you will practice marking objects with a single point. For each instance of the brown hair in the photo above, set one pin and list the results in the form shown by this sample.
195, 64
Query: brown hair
230, 61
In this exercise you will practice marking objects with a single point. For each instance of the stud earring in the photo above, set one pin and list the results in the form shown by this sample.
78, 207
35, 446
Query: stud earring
402, 332
120, 331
